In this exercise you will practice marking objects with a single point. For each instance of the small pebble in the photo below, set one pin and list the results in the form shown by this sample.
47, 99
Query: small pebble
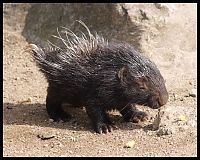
150, 133
70, 151
45, 136
183, 118
60, 144
175, 96
17, 78
9, 107
193, 93
130, 144
45, 145
29, 99
164, 131
181, 99
51, 120
99, 151
191, 83
72, 138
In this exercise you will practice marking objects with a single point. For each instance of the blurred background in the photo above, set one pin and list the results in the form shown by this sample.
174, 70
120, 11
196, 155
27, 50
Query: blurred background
165, 32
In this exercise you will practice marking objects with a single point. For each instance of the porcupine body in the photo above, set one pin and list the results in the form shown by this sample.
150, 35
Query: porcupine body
101, 76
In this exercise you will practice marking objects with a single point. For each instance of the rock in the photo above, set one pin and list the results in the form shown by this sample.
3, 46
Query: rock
156, 122
161, 123
183, 118
175, 96
45, 136
129, 144
191, 83
150, 133
51, 120
29, 99
164, 131
45, 145
9, 107
181, 99
72, 138
17, 78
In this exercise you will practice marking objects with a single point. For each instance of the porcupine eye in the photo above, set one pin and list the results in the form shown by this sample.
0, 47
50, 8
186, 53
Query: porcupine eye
143, 83
142, 88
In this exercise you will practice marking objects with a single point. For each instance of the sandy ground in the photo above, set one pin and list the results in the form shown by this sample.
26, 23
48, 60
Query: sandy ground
25, 124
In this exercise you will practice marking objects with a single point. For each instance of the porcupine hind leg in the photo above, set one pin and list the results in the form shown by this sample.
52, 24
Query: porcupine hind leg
132, 114
54, 106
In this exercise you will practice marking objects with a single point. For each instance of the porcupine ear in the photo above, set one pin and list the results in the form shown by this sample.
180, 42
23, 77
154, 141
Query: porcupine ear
124, 75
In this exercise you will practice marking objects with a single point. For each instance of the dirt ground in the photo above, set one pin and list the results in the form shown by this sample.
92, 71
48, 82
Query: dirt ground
28, 131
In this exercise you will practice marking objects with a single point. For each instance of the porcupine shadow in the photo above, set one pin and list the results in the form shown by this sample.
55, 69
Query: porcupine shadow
36, 115
105, 19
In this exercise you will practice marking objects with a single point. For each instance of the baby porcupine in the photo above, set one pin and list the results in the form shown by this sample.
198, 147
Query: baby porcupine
101, 76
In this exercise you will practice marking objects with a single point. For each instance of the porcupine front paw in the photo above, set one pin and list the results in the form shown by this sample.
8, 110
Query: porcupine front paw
100, 119
131, 114
102, 127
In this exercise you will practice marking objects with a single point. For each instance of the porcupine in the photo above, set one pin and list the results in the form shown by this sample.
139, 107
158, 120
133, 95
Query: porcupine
100, 75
